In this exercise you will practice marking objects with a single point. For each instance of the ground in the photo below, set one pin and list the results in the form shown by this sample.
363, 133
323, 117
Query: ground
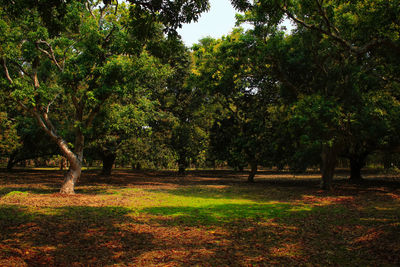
208, 218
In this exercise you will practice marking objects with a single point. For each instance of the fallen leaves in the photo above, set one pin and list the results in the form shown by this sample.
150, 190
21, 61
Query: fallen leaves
205, 219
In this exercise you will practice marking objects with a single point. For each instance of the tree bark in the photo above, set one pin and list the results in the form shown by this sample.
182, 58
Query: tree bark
75, 161
329, 158
253, 171
71, 177
108, 162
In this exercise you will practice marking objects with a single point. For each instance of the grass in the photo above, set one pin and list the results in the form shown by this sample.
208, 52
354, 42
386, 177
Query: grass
204, 219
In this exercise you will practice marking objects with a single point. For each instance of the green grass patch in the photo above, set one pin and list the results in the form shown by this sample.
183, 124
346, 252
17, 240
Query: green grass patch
17, 194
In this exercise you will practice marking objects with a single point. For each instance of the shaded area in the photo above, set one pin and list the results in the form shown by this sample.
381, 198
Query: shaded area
141, 220
69, 235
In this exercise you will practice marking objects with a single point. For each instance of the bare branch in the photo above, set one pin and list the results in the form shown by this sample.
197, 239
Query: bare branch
24, 106
101, 16
22, 70
49, 123
6, 71
335, 35
51, 102
116, 8
322, 12
88, 8
109, 35
65, 54
50, 54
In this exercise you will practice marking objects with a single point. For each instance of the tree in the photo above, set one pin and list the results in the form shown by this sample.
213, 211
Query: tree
128, 116
9, 137
81, 57
186, 104
326, 62
233, 72
32, 143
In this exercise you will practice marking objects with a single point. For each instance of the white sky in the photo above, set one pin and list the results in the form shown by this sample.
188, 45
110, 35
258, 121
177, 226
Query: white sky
218, 21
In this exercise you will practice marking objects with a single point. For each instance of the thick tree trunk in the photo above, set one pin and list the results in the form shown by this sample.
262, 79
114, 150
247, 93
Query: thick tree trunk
253, 171
329, 158
356, 164
70, 178
108, 162
75, 162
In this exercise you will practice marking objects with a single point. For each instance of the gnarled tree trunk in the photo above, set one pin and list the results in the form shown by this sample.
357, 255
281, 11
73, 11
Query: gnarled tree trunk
329, 158
75, 161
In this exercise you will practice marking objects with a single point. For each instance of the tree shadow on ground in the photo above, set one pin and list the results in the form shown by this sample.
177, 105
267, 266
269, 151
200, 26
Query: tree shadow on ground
69, 236
283, 234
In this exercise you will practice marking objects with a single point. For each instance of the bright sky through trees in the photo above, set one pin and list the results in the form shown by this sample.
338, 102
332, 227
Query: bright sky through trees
218, 21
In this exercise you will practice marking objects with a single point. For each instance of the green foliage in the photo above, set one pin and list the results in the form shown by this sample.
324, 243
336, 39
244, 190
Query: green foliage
9, 139
77, 58
232, 70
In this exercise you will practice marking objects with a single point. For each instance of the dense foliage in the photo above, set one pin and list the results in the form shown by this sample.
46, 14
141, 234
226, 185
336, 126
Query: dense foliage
113, 79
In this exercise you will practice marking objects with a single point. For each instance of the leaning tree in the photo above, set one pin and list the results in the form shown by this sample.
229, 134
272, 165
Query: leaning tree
78, 54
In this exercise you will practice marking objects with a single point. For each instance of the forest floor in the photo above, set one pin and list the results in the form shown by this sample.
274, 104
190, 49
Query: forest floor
207, 218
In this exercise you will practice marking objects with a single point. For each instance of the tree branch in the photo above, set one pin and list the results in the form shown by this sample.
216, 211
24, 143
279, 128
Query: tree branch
359, 50
23, 70
51, 102
93, 113
88, 9
116, 8
65, 54
50, 54
322, 12
10, 80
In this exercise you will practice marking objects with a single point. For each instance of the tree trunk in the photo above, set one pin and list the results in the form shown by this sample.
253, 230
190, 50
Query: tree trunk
63, 164
387, 161
10, 163
71, 177
253, 171
356, 164
75, 162
329, 158
108, 162
182, 165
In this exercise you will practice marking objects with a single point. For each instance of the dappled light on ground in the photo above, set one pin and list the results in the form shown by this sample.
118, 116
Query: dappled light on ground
205, 218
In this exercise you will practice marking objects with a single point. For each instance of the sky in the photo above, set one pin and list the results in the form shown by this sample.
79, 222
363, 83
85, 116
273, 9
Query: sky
218, 21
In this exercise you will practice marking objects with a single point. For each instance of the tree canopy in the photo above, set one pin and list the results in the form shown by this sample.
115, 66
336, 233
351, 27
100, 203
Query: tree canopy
113, 79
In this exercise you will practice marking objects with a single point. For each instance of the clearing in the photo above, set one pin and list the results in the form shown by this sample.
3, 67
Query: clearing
208, 218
